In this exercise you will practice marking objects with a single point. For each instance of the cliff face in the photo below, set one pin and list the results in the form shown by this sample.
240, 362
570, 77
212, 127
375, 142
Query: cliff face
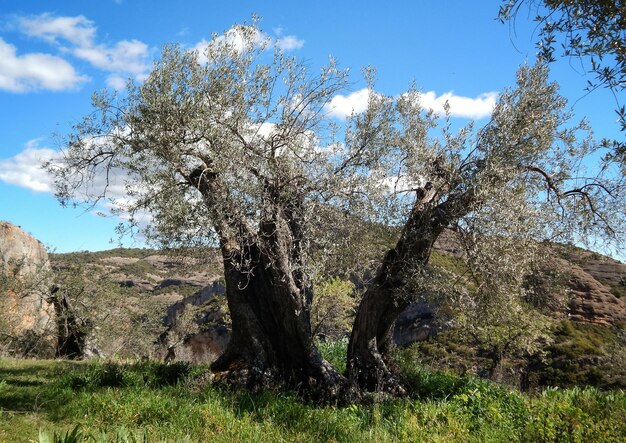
592, 301
21, 254
23, 268
597, 286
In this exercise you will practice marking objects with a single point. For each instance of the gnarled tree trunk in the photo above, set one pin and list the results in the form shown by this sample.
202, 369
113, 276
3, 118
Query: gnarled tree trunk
395, 286
271, 338
268, 296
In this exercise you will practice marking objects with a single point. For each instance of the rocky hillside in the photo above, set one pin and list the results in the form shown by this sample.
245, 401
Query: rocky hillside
146, 302
139, 302
598, 286
184, 285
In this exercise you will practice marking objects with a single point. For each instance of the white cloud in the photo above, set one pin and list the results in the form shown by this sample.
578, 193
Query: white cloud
289, 43
234, 38
460, 106
78, 30
124, 57
342, 106
201, 47
129, 56
24, 169
21, 73
116, 82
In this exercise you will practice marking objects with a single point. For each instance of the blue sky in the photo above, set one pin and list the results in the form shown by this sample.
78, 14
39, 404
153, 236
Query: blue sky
53, 55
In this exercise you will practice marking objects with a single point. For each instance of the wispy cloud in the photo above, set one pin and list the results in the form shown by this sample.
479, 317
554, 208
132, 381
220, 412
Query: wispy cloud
25, 169
126, 56
78, 30
77, 36
116, 82
289, 43
34, 71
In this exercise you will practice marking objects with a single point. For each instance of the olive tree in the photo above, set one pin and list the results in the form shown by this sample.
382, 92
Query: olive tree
235, 152
236, 149
526, 175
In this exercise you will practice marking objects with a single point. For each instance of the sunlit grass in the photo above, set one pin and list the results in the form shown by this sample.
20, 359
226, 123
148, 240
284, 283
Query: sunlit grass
53, 401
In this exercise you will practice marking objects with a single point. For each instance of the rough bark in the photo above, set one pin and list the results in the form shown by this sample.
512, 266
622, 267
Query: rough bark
272, 341
268, 297
71, 330
393, 288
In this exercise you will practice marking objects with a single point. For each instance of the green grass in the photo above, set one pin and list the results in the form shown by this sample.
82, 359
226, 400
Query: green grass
55, 401
334, 351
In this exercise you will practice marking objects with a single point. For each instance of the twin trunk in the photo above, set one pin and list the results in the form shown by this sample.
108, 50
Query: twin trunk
271, 326
269, 298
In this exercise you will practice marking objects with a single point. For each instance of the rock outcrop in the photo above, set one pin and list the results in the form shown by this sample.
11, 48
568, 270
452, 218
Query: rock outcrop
207, 309
592, 302
415, 323
23, 267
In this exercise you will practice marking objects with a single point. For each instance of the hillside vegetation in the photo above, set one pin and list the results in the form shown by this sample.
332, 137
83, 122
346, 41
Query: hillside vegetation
143, 308
176, 303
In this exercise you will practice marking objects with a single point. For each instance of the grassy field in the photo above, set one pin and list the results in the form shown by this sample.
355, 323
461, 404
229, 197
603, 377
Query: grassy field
59, 401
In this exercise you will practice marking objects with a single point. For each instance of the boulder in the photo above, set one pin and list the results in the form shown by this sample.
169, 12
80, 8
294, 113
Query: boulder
203, 337
24, 268
415, 323
197, 299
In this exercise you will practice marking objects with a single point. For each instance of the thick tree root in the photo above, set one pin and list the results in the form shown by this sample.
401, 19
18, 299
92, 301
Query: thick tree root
371, 374
319, 382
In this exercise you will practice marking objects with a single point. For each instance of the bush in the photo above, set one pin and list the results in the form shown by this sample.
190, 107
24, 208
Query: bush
332, 310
